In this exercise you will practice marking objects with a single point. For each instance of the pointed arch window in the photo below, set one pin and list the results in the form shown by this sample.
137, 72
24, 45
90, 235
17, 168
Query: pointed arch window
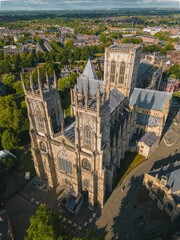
122, 72
87, 137
54, 121
113, 70
86, 164
40, 121
86, 184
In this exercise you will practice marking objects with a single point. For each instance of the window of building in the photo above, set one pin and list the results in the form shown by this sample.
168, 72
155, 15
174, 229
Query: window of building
87, 137
40, 122
160, 193
43, 146
113, 70
54, 121
66, 166
86, 184
86, 164
122, 72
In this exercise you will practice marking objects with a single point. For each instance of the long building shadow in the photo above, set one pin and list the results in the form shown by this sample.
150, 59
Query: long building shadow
171, 116
138, 216
164, 161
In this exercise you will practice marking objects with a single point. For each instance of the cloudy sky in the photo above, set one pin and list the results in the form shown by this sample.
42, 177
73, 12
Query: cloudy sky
83, 4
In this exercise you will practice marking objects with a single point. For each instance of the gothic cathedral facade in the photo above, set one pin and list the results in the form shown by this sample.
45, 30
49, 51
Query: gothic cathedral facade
85, 153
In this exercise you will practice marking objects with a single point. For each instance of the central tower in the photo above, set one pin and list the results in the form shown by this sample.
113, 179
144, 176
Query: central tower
121, 66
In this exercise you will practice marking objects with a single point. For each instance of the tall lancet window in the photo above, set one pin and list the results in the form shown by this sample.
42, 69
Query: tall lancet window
40, 121
122, 72
113, 70
87, 137
54, 121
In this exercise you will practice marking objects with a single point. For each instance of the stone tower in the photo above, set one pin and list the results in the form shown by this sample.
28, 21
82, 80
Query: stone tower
121, 66
46, 119
87, 103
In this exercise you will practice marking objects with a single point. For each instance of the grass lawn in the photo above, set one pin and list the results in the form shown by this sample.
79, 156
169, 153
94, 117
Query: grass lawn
130, 161
98, 54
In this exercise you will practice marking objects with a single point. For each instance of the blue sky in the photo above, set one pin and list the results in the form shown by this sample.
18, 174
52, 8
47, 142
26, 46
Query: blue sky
83, 4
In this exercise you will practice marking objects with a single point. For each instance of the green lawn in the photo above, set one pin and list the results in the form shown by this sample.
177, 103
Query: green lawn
130, 161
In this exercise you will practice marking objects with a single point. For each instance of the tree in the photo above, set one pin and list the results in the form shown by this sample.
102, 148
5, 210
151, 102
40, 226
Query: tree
7, 164
13, 115
8, 79
41, 225
10, 139
64, 84
174, 71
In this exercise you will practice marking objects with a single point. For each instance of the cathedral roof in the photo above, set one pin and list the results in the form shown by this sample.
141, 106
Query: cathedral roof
93, 85
116, 97
89, 71
149, 138
149, 99
70, 133
147, 120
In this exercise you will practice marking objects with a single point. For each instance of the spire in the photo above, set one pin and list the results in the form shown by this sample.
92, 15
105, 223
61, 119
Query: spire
48, 82
55, 80
31, 83
89, 71
23, 83
40, 83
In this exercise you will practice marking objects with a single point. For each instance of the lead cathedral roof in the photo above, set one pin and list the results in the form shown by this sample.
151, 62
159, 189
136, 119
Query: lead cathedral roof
149, 99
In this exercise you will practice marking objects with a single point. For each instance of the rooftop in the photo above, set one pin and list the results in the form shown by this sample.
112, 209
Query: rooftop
89, 71
125, 47
149, 99
172, 173
116, 97
149, 138
93, 85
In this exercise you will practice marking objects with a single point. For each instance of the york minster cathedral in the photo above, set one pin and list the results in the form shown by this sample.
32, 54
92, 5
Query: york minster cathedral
85, 154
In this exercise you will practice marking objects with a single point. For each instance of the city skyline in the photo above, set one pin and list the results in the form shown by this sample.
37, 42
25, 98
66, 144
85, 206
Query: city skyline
84, 4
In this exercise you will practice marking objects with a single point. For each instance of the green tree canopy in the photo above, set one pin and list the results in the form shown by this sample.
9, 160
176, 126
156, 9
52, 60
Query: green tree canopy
13, 115
64, 84
10, 139
41, 225
8, 79
7, 164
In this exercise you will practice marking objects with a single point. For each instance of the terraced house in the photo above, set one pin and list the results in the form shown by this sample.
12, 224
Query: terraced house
83, 154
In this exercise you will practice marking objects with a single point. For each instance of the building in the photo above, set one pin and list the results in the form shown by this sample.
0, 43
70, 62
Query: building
169, 85
148, 143
164, 187
150, 39
85, 151
174, 55
152, 108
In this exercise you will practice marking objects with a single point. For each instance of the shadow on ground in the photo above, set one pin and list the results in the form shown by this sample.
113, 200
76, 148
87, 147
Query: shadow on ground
138, 216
